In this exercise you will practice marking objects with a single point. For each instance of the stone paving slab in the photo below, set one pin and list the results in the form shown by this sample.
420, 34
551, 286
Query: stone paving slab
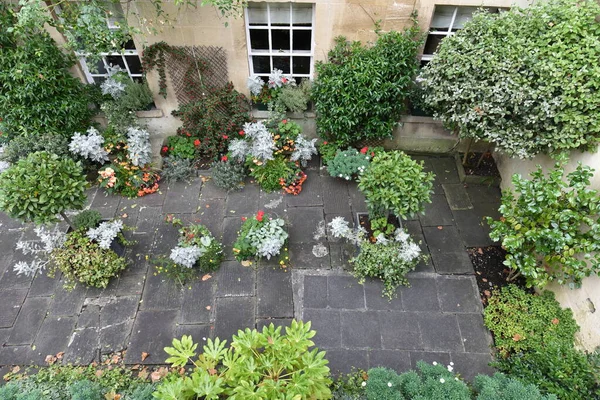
438, 318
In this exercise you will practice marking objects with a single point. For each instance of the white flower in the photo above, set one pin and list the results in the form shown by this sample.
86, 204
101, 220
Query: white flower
442, 380
450, 368
434, 363
451, 363
389, 384
456, 379
363, 384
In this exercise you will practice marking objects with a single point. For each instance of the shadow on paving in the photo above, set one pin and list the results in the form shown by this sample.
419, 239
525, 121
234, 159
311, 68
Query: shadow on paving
437, 318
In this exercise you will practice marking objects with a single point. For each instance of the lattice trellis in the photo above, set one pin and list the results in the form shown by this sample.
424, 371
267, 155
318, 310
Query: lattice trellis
197, 67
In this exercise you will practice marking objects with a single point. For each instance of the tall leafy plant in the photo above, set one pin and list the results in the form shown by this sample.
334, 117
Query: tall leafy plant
37, 92
521, 79
550, 226
360, 91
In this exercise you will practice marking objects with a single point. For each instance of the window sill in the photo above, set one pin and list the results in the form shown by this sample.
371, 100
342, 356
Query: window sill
259, 114
155, 113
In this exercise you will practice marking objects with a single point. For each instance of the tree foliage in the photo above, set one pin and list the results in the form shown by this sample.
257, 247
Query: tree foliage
525, 80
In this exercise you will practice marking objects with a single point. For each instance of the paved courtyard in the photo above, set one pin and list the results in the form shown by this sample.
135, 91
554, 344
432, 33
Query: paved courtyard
437, 318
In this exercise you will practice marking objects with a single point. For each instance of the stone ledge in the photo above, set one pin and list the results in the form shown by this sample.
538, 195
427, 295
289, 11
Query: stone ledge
155, 113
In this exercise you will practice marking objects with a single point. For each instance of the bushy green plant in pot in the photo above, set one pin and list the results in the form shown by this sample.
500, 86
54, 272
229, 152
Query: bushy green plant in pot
261, 236
41, 186
265, 364
550, 226
395, 183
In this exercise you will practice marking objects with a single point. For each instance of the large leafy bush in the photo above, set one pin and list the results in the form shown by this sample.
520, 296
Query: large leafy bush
550, 226
397, 183
521, 79
521, 321
40, 186
360, 91
258, 365
37, 92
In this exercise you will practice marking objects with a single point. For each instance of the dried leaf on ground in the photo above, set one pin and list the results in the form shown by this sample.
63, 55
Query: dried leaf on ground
144, 355
206, 277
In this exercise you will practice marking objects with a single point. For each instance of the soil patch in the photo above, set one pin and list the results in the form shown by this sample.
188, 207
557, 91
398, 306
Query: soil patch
490, 272
363, 220
487, 166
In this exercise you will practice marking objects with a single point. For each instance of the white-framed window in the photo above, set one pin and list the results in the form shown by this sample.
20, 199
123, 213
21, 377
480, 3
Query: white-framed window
128, 60
446, 21
281, 36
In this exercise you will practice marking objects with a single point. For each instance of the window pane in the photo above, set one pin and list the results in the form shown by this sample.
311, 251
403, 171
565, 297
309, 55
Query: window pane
432, 43
302, 14
463, 15
259, 39
280, 39
282, 63
301, 65
115, 60
257, 14
280, 14
302, 40
98, 68
442, 17
129, 45
134, 63
261, 64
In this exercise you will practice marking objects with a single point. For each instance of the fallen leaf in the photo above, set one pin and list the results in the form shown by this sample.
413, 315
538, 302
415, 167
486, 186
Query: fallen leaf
517, 337
144, 355
124, 215
555, 321
15, 369
212, 371
112, 396
158, 374
487, 293
60, 355
246, 263
143, 374
440, 227
484, 280
115, 359
133, 205
206, 277
480, 250
136, 367
50, 359
208, 307
208, 206
99, 373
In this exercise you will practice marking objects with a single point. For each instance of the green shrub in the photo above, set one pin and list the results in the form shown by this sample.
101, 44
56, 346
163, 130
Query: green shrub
348, 164
549, 226
137, 96
82, 260
214, 119
521, 321
228, 175
350, 386
294, 98
557, 369
383, 384
118, 119
38, 92
86, 390
513, 79
360, 92
395, 182
41, 186
502, 387
177, 169
87, 219
21, 146
262, 365
328, 150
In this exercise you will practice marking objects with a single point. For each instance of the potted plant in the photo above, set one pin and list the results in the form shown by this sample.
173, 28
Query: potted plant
261, 237
41, 186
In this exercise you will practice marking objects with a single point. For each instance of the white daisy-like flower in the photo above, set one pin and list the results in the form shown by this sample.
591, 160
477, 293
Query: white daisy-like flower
455, 379
442, 380
363, 384
434, 363
451, 363
389, 384
450, 368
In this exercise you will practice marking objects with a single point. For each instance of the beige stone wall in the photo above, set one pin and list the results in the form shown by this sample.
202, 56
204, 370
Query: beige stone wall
585, 300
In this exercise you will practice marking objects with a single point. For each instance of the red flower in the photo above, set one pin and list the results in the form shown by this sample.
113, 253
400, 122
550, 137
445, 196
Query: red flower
188, 134
225, 137
224, 158
244, 218
372, 154
364, 150
165, 149
283, 80
197, 142
284, 121
325, 142
260, 215
242, 133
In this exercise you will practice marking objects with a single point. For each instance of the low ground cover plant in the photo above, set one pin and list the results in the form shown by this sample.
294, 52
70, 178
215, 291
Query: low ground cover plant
390, 257
197, 251
349, 164
550, 226
280, 92
395, 183
265, 364
261, 236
